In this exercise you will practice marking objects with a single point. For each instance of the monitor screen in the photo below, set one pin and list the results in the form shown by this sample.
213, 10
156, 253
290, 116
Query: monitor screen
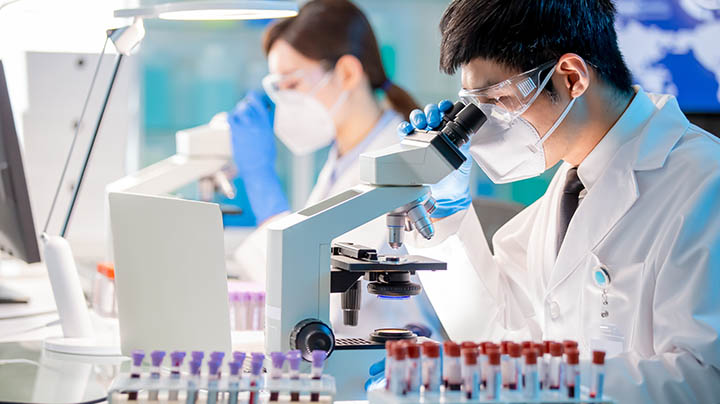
671, 47
17, 228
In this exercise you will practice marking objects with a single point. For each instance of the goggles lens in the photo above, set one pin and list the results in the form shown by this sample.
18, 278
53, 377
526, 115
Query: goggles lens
303, 80
513, 95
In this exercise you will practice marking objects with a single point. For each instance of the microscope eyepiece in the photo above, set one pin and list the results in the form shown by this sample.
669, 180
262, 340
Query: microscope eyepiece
465, 124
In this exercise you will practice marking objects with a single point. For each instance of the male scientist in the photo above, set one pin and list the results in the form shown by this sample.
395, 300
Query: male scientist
622, 252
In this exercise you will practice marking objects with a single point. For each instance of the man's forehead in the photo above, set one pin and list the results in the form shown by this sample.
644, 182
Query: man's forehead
481, 73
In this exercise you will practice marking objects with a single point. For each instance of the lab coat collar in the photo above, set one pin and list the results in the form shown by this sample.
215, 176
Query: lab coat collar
616, 190
631, 122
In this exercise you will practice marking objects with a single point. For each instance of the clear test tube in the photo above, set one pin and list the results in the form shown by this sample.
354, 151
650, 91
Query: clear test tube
505, 363
294, 358
540, 351
156, 358
176, 360
217, 356
398, 382
318, 364
276, 371
239, 357
193, 382
413, 368
525, 345
572, 373
259, 311
531, 379
568, 345
494, 377
597, 374
388, 363
446, 344
452, 364
555, 370
136, 370
197, 355
256, 367
545, 375
431, 377
213, 381
243, 311
470, 373
484, 361
234, 382
233, 297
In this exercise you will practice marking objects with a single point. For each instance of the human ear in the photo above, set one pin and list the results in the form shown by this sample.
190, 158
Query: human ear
575, 74
349, 72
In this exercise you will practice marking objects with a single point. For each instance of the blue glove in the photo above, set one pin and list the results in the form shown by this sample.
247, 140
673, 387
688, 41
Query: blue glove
452, 193
377, 376
251, 125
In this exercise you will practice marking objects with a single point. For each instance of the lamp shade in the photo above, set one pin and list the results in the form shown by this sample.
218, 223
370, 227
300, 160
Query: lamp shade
214, 10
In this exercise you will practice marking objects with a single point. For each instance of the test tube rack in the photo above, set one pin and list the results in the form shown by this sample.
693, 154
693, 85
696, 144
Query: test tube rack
381, 396
225, 389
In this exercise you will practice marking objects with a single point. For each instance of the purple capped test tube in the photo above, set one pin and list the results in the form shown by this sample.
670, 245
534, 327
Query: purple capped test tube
217, 356
294, 359
258, 310
194, 381
278, 360
137, 357
234, 383
156, 358
176, 360
197, 355
318, 362
213, 380
256, 367
239, 357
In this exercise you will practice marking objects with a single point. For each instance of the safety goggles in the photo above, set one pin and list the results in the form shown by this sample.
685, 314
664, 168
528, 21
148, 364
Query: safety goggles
307, 81
511, 97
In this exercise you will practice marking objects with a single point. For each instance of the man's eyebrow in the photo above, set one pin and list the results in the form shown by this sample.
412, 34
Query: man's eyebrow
484, 84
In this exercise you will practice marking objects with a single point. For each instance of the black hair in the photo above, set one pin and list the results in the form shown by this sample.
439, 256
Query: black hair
523, 34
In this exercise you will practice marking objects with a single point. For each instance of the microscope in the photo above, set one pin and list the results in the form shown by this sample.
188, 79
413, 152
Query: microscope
305, 267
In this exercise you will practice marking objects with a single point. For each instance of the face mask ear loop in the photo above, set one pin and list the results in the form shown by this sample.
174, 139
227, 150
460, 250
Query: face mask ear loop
536, 147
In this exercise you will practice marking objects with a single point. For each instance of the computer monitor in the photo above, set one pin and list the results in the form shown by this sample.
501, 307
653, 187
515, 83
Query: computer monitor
17, 228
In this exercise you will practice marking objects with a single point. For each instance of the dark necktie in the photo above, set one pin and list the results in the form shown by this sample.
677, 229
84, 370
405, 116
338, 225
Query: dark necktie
568, 203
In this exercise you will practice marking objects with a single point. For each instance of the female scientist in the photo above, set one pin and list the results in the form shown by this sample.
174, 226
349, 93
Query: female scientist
325, 68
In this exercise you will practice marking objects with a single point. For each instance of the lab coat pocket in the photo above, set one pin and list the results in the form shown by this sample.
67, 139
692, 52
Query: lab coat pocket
610, 302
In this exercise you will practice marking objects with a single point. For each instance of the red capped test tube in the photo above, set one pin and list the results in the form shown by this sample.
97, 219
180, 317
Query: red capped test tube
431, 367
388, 363
494, 377
572, 373
555, 371
413, 368
452, 366
597, 374
531, 379
470, 372
398, 382
514, 366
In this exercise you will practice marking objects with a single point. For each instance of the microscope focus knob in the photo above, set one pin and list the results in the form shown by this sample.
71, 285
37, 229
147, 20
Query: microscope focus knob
311, 334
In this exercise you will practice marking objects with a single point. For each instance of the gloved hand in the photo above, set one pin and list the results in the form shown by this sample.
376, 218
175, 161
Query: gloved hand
452, 193
377, 376
251, 125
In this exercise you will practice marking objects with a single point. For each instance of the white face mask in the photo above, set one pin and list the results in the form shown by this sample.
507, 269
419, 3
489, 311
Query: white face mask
302, 122
509, 151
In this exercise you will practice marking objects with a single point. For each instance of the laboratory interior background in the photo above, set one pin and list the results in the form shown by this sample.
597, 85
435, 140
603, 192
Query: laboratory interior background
186, 72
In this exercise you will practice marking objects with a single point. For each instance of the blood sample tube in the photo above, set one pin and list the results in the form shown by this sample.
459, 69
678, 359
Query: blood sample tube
156, 358
193, 382
294, 358
431, 367
484, 363
494, 377
572, 373
470, 372
259, 311
213, 381
443, 366
136, 370
234, 383
398, 381
569, 345
243, 311
318, 363
514, 366
217, 356
555, 370
597, 374
540, 351
388, 363
526, 345
452, 365
413, 368
505, 363
531, 380
257, 356
176, 360
197, 355
278, 360
255, 370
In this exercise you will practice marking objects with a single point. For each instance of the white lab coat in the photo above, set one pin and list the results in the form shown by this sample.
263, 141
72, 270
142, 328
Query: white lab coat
375, 313
651, 218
